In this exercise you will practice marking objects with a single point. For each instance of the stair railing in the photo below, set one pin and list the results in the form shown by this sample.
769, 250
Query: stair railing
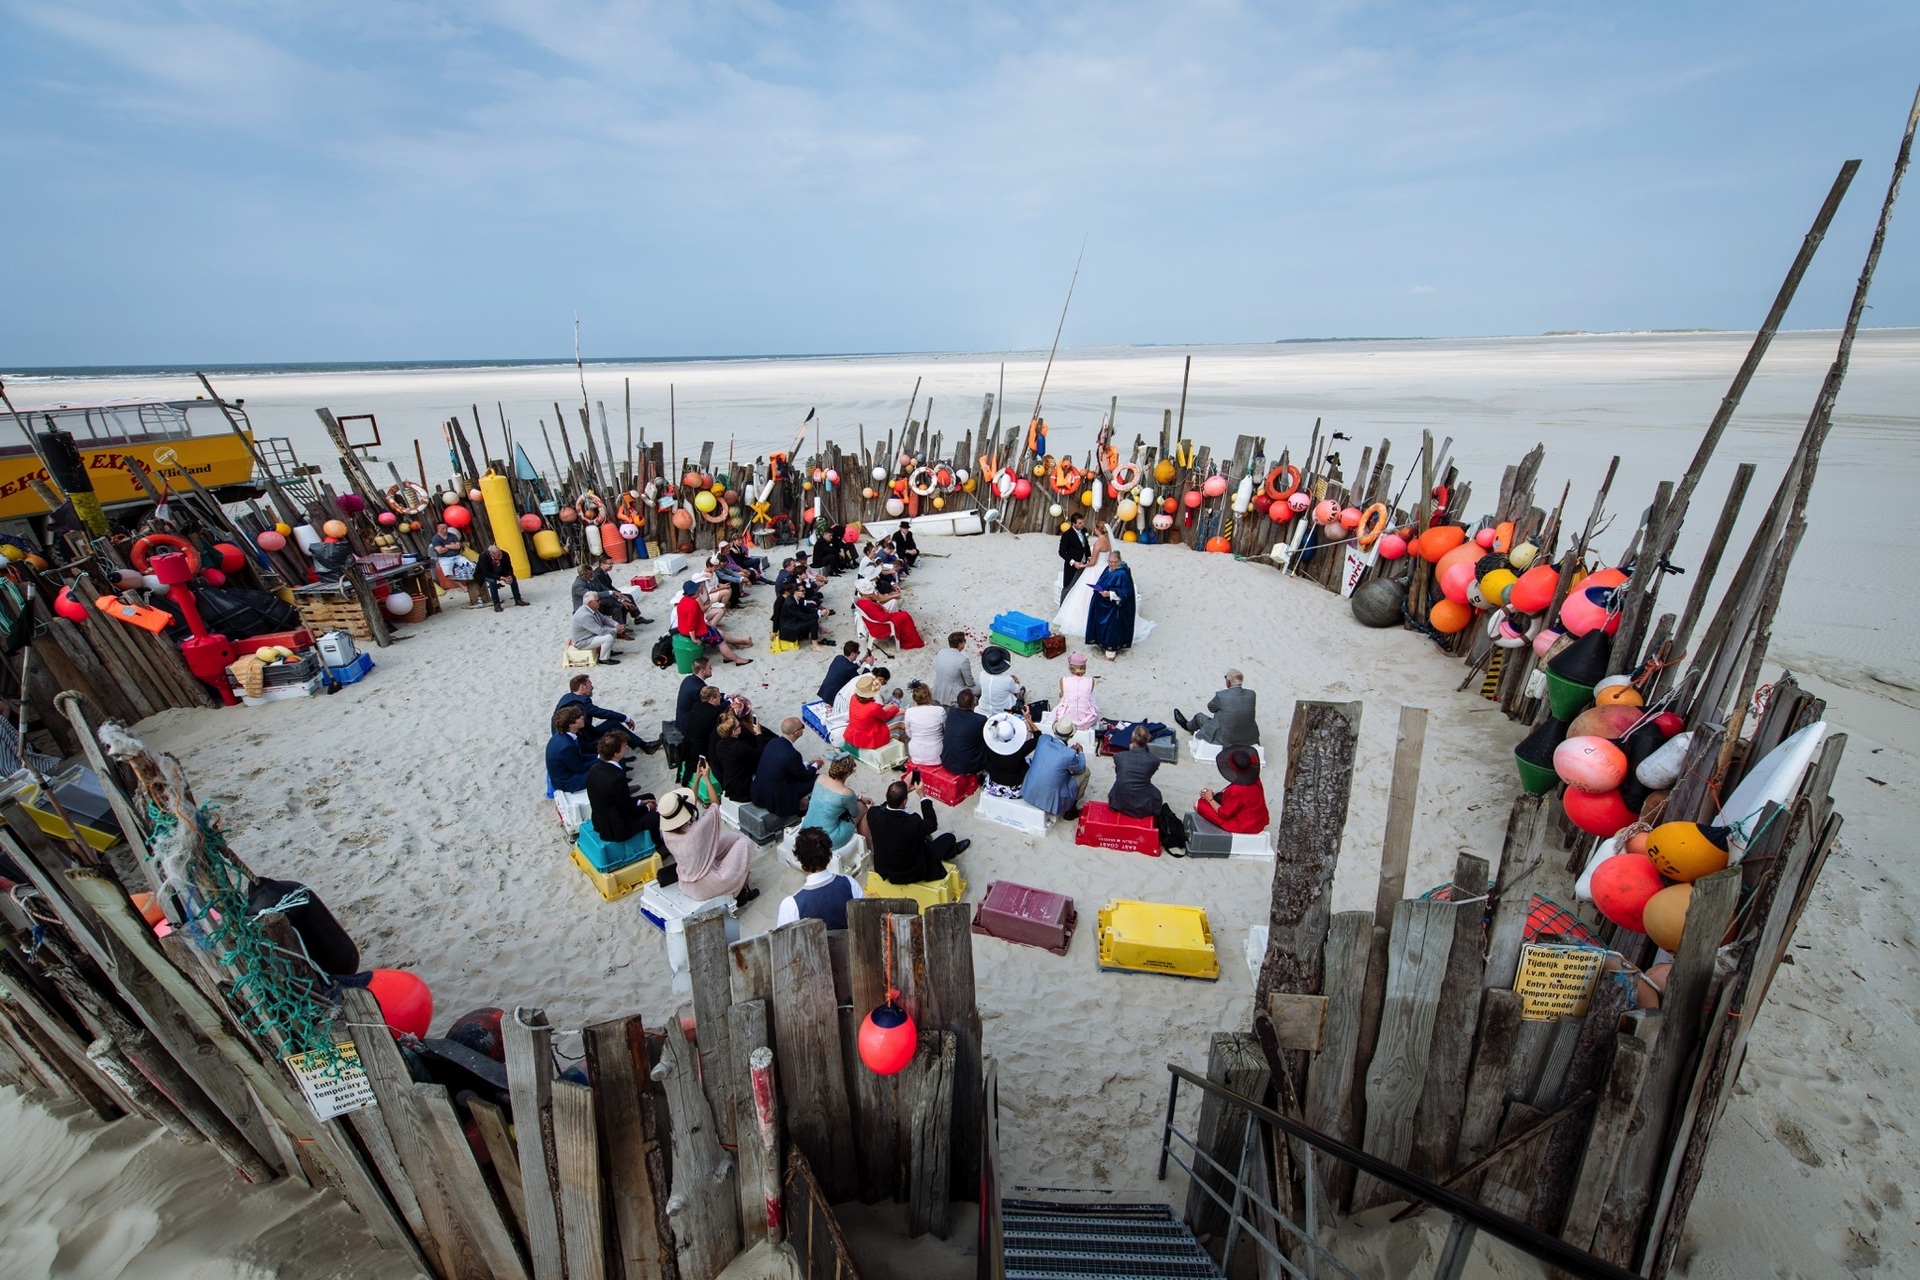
1469, 1216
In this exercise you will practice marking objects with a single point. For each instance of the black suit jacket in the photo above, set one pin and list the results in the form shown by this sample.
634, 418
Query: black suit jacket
900, 852
963, 748
1075, 545
616, 814
783, 782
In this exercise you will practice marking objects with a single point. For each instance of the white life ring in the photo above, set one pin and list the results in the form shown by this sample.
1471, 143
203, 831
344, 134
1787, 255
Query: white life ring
913, 481
1125, 476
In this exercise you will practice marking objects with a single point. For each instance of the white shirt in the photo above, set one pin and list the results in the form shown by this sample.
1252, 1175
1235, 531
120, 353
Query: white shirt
790, 909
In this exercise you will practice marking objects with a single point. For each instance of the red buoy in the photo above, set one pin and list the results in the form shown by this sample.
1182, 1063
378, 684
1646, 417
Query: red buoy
888, 1038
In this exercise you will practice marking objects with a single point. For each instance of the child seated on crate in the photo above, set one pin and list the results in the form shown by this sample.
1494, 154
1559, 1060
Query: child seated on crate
824, 896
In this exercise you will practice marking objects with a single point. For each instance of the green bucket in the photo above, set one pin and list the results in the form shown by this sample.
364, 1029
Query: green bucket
1567, 698
1534, 778
686, 651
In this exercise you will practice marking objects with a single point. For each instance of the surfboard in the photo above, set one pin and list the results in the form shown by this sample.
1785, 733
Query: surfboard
1774, 780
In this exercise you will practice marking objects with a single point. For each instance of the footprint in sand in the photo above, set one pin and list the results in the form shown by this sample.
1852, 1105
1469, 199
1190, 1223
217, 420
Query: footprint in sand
1795, 1140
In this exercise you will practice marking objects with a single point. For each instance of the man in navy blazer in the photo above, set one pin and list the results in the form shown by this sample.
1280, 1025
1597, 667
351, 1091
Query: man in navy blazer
599, 719
783, 781
567, 760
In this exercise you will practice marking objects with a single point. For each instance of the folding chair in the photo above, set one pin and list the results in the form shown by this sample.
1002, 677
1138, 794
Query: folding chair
872, 623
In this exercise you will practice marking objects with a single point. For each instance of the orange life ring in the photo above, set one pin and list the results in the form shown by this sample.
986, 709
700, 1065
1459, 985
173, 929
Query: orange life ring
719, 513
1369, 533
1125, 476
138, 553
407, 498
1066, 477
591, 509
1281, 495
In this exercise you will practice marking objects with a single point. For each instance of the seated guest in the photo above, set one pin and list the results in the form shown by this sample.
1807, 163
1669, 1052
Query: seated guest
905, 547
1229, 717
712, 861
783, 780
582, 583
728, 581
824, 896
567, 760
952, 670
868, 719
617, 816
829, 551
926, 724
1058, 772
1076, 694
612, 597
844, 667
963, 743
1242, 807
738, 741
833, 807
580, 694
1000, 690
594, 630
843, 701
799, 617
898, 623
1134, 794
702, 719
690, 687
690, 620
1010, 740
905, 848
750, 567
494, 568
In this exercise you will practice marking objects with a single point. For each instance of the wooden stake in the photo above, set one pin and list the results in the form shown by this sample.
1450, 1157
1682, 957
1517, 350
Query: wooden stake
1401, 799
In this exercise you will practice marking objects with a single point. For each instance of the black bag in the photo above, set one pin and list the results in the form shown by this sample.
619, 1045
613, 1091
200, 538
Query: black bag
663, 651
1173, 832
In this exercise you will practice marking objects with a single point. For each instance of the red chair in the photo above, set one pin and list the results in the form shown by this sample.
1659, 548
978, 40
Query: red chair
875, 623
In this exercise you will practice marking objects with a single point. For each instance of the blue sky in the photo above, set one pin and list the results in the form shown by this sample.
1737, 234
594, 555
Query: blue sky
268, 181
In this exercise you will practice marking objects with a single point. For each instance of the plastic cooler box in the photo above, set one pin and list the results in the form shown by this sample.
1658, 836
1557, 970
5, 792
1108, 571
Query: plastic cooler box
1207, 752
1204, 840
816, 716
1014, 814
667, 907
1101, 828
306, 689
669, 564
298, 671
1020, 627
1031, 917
886, 759
300, 639
617, 884
1156, 937
930, 893
751, 821
1025, 648
948, 788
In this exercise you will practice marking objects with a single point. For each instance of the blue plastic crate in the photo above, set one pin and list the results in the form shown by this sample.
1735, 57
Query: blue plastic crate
814, 716
354, 672
1021, 627
611, 855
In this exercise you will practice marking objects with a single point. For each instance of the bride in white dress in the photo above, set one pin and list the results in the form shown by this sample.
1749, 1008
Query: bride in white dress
1072, 618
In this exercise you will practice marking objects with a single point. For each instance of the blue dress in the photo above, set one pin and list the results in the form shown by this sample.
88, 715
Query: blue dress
833, 812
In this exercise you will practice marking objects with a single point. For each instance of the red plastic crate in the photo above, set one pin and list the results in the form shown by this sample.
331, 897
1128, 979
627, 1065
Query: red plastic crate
301, 639
1102, 828
948, 788
646, 582
1031, 917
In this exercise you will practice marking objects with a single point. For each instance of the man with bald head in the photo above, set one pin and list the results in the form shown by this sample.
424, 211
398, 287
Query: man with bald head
783, 781
1229, 717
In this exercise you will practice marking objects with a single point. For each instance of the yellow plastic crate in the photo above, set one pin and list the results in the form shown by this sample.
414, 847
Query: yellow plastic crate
614, 885
49, 821
930, 893
1156, 937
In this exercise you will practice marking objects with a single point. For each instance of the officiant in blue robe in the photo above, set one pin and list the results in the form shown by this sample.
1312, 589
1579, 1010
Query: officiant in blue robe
1110, 616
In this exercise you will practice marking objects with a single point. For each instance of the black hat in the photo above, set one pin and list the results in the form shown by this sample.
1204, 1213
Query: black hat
995, 660
1239, 765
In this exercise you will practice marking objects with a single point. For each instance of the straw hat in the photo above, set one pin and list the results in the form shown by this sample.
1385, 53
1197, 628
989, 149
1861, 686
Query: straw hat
1239, 765
677, 809
1065, 727
868, 686
995, 660
1005, 733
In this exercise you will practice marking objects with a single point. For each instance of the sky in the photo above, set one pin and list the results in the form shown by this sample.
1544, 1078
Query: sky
217, 182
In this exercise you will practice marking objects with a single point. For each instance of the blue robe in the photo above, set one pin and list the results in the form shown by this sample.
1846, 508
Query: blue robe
1110, 622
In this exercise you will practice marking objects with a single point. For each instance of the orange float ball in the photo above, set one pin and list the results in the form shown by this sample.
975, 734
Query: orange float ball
1170, 505
1606, 578
1622, 886
1450, 616
1665, 915
1350, 518
683, 519
1534, 591
1219, 544
1618, 695
693, 481
1193, 498
1636, 843
334, 528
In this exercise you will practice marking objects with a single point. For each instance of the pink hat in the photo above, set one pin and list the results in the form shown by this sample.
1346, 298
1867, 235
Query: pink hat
1076, 659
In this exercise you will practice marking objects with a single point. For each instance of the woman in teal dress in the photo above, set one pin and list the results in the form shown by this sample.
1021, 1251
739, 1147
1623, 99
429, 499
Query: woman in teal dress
833, 807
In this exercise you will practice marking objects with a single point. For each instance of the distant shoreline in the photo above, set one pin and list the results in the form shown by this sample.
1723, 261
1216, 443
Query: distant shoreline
233, 369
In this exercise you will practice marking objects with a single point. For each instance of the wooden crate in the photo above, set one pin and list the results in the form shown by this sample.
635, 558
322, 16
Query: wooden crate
321, 616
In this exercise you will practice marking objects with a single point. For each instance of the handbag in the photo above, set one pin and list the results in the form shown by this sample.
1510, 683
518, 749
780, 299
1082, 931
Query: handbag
1053, 646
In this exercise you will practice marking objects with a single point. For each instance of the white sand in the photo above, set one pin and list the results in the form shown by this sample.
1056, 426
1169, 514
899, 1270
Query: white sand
412, 802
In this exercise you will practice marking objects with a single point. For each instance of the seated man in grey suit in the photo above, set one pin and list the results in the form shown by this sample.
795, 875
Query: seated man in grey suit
1229, 717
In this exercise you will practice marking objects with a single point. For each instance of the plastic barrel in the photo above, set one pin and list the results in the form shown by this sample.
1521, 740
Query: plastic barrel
1567, 698
1535, 779
686, 651
546, 545
504, 521
612, 542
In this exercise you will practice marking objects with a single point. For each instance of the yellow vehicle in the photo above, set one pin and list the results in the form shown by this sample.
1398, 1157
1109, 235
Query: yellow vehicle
169, 438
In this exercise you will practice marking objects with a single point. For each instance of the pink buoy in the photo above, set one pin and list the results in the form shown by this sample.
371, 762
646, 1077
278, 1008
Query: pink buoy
1586, 609
1324, 510
1590, 763
270, 540
1350, 518
1392, 546
1484, 539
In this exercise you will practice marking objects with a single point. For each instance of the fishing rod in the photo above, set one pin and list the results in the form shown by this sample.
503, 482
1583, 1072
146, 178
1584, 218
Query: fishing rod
1052, 351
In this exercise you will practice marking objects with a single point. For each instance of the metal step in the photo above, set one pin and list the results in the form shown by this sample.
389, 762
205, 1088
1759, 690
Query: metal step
1051, 1240
1146, 1246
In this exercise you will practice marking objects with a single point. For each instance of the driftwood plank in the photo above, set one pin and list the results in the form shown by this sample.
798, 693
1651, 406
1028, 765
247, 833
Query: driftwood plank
928, 1209
1619, 1100
492, 1123
529, 1046
1299, 1022
1318, 782
576, 1142
1617, 1238
1487, 1083
1401, 800
709, 967
951, 1005
807, 1043
877, 1095
1234, 1060
460, 1182
616, 1055
748, 1031
1521, 859
702, 1208
1436, 1124
909, 977
1416, 966
1329, 1092
1507, 1184
751, 975
1558, 1164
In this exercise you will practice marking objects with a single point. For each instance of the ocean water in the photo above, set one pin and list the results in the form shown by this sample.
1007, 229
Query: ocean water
1644, 397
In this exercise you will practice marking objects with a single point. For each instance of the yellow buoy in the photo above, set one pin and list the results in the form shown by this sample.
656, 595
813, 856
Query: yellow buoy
1685, 852
1665, 915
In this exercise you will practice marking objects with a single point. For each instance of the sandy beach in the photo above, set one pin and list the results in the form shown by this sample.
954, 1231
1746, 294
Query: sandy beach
412, 802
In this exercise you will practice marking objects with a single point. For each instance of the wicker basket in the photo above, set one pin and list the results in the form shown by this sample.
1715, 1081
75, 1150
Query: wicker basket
321, 616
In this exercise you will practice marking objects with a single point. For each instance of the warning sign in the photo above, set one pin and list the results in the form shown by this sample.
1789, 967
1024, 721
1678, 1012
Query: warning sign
334, 1086
1556, 982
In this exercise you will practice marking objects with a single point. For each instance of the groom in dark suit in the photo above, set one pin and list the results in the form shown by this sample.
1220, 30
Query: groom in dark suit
1076, 552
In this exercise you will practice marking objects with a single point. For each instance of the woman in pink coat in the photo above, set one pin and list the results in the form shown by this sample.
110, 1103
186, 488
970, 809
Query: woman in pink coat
713, 862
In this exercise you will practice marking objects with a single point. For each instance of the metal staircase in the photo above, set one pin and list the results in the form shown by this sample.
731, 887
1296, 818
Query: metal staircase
1048, 1240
